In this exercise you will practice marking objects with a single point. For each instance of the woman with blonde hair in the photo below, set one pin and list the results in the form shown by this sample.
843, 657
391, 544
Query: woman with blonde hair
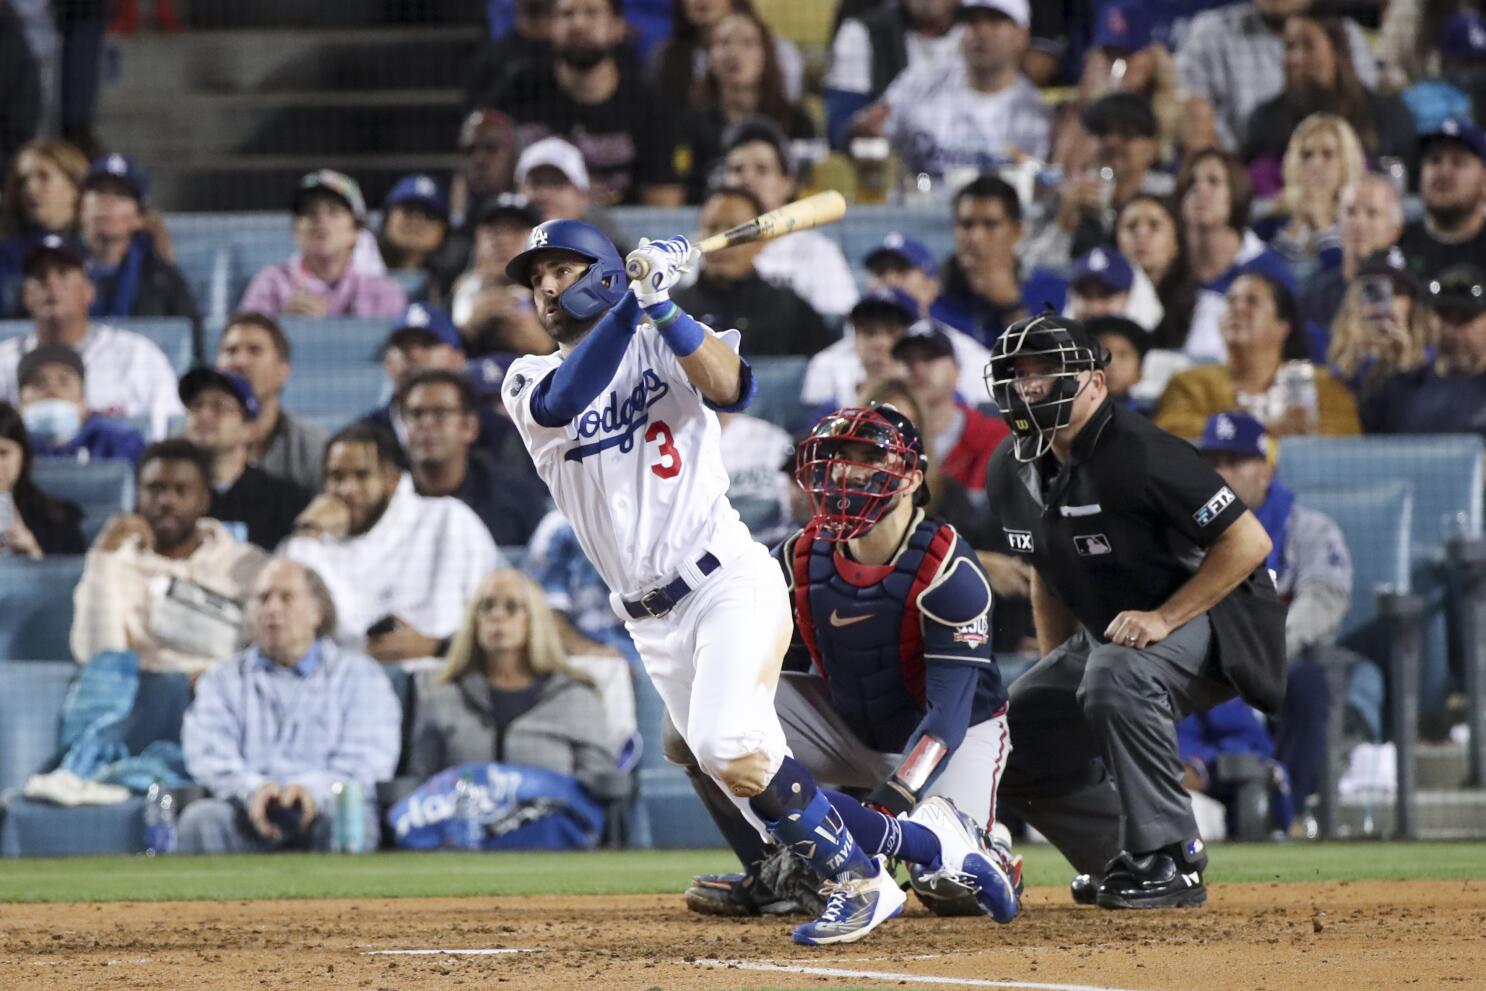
507, 693
1381, 329
40, 197
1324, 157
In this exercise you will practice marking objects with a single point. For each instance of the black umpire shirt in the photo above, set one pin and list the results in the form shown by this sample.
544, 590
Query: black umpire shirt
1125, 523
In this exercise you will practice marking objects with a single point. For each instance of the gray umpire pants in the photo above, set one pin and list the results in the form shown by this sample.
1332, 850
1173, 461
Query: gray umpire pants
1095, 766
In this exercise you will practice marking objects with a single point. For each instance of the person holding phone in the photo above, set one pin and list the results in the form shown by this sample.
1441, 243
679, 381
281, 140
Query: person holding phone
1381, 329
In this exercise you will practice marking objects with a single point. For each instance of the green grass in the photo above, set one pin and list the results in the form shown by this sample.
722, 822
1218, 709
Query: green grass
407, 875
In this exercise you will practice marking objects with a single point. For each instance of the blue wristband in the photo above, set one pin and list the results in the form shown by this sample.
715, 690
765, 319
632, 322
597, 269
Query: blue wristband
682, 334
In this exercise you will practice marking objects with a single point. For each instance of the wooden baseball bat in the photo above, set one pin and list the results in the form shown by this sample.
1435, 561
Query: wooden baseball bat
801, 215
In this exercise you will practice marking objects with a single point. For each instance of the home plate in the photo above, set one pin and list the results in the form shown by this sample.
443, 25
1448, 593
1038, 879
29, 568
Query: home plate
882, 975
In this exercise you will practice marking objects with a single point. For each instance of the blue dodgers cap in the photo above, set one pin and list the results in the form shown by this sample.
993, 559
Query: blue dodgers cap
419, 190
1456, 129
1122, 26
885, 299
194, 382
1103, 266
426, 324
118, 171
1464, 37
1234, 432
910, 250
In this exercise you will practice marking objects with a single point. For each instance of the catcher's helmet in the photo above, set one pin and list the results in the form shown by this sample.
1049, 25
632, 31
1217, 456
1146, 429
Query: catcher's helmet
854, 463
1036, 397
599, 288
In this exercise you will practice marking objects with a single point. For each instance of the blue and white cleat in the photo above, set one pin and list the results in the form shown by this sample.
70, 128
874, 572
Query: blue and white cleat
967, 862
854, 908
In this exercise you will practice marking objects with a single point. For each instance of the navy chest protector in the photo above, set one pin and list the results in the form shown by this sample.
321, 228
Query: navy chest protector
864, 634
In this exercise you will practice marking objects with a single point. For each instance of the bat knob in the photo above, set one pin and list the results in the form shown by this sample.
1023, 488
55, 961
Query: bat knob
636, 266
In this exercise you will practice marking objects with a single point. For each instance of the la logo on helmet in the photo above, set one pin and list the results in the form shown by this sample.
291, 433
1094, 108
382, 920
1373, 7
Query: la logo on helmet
538, 238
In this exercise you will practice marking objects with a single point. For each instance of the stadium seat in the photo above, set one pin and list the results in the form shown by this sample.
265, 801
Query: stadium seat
780, 381
1375, 521
668, 814
102, 488
30, 708
1446, 477
36, 606
171, 334
335, 394
205, 265
251, 251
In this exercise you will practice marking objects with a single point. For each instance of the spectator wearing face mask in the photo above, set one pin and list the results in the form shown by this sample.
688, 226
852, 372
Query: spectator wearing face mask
52, 392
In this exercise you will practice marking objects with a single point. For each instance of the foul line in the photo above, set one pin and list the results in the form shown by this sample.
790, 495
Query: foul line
446, 953
883, 975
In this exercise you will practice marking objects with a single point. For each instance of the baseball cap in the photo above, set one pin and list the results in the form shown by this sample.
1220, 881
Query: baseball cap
197, 380
557, 153
1120, 113
1390, 262
1105, 268
509, 206
1464, 37
931, 343
1122, 26
337, 184
1234, 432
886, 301
1138, 336
425, 324
1460, 289
47, 354
50, 252
483, 117
118, 172
910, 250
1459, 130
1017, 10
419, 190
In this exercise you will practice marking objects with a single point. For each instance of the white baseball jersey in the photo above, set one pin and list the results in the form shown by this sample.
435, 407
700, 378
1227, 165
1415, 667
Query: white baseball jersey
638, 472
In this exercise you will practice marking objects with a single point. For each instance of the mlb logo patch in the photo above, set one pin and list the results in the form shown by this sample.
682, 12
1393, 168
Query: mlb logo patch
515, 385
1020, 540
1092, 544
1214, 507
976, 633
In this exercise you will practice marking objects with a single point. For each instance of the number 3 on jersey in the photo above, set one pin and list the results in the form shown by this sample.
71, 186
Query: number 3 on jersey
669, 465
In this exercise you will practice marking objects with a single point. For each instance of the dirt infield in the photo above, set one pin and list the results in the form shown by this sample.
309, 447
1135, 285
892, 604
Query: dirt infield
1249, 937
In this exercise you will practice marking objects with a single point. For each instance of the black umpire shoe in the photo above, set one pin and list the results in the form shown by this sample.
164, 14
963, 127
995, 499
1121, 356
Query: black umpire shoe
1152, 880
1084, 889
736, 895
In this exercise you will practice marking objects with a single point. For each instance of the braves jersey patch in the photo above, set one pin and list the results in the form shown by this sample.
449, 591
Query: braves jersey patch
975, 633
1020, 540
1092, 544
1214, 507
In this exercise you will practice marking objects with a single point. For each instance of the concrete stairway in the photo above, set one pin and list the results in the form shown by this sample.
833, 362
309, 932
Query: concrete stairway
229, 114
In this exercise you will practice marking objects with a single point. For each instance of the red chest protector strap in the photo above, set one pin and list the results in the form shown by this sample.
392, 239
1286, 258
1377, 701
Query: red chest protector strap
799, 567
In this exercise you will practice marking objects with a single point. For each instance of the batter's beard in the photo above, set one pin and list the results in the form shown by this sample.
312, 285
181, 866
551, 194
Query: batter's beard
564, 328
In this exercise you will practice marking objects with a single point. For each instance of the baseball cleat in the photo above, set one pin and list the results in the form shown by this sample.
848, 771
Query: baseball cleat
967, 861
1154, 880
735, 895
1084, 889
999, 839
854, 907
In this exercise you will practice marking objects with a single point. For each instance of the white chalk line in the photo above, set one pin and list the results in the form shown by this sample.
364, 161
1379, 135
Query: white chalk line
448, 953
883, 975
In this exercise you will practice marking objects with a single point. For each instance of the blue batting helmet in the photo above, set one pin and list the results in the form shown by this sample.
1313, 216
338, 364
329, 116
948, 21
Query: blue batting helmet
599, 288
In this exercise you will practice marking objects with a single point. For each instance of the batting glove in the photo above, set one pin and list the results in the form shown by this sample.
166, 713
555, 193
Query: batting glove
668, 260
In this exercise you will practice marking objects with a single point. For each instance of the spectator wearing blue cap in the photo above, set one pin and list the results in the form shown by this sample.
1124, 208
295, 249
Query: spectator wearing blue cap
757, 157
322, 278
51, 388
130, 278
1452, 186
1104, 283
1416, 36
494, 315
39, 199
984, 286
1313, 576
1320, 77
415, 221
253, 505
835, 376
1232, 59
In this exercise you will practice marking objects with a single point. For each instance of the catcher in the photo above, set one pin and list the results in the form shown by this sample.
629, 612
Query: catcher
905, 703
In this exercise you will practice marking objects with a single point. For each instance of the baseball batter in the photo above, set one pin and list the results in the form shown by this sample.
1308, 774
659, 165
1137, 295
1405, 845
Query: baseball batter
620, 422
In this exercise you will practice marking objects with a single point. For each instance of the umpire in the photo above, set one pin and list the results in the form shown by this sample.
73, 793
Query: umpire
1151, 602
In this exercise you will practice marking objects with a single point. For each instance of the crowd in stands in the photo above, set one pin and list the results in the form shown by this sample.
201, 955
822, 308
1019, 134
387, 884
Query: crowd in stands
1224, 191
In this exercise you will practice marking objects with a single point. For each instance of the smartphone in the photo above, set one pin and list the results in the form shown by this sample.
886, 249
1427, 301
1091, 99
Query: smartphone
1377, 295
383, 626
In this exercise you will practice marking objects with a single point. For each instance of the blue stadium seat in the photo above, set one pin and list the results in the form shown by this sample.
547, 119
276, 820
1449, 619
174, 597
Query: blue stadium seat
1446, 477
205, 265
171, 334
780, 381
102, 488
1375, 521
30, 708
251, 251
334, 394
668, 814
36, 606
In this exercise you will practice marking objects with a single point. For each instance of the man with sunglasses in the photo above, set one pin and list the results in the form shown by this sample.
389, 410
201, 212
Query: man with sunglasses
893, 689
1151, 602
